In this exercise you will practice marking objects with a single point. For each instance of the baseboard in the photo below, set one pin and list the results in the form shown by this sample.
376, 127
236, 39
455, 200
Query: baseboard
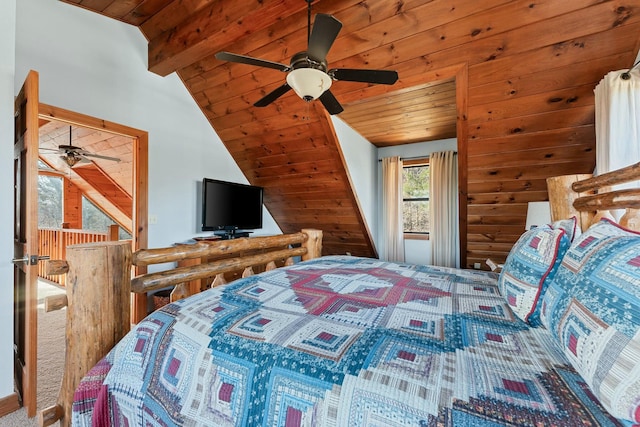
9, 404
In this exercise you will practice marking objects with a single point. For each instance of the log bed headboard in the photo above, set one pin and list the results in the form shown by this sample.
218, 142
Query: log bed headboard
590, 198
99, 274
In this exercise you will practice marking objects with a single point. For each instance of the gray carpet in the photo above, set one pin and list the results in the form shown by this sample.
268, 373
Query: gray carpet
51, 347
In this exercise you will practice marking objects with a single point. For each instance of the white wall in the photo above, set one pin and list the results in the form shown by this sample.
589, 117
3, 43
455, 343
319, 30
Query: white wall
360, 156
7, 62
415, 251
98, 66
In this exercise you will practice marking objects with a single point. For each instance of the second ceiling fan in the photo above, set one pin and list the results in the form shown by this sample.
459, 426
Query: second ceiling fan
308, 74
72, 154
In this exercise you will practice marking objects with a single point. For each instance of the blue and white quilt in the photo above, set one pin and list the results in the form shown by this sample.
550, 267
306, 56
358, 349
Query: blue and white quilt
339, 341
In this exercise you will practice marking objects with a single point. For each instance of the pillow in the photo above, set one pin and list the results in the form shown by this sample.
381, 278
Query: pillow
570, 226
592, 307
530, 265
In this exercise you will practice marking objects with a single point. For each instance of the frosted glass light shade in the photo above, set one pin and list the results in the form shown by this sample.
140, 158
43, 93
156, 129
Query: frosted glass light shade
538, 214
308, 83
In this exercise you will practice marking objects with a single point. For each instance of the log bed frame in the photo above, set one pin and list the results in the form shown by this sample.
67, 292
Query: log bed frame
98, 316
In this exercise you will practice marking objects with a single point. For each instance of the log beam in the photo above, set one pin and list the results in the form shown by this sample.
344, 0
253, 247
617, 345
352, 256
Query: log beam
210, 29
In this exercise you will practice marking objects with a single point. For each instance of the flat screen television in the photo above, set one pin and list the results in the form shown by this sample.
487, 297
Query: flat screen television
229, 208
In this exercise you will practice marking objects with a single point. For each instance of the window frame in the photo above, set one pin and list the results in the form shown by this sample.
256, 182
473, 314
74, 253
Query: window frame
415, 162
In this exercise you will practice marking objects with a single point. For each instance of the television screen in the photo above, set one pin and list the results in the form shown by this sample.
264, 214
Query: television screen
230, 206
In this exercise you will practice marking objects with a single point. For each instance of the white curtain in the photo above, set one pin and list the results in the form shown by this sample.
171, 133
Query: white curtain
617, 122
392, 222
443, 209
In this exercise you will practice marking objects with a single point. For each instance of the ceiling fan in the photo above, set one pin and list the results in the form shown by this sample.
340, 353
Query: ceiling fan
307, 74
72, 155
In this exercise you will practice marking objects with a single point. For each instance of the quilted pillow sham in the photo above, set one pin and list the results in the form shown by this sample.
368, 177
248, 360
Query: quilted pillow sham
592, 307
531, 263
570, 226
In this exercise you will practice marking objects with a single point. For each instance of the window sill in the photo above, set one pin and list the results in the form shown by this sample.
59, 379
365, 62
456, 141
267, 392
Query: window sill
416, 236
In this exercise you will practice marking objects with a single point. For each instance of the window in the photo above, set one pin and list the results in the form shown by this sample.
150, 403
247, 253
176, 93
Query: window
93, 218
415, 198
49, 201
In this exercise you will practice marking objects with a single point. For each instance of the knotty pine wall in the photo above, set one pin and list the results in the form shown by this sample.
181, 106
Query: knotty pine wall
525, 77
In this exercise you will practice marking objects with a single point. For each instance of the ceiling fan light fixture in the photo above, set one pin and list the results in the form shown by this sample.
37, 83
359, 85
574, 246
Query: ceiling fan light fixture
309, 83
71, 159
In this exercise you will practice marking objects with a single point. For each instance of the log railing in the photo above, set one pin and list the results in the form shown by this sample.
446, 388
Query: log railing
99, 289
53, 242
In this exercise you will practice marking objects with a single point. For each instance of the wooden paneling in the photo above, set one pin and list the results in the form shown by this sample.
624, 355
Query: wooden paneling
109, 189
524, 74
72, 209
420, 113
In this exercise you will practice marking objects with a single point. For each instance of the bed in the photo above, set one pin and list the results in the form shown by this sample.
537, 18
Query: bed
552, 340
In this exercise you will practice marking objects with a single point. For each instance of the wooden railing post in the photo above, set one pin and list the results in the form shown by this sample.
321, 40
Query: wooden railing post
98, 298
313, 244
561, 198
114, 232
61, 242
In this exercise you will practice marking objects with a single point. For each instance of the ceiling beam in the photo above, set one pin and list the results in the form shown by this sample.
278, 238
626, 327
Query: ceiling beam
212, 28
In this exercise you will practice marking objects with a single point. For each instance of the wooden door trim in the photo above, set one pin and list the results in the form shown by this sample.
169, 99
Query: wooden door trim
140, 179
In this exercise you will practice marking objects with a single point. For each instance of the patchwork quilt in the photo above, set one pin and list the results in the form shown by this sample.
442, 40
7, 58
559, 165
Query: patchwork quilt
339, 341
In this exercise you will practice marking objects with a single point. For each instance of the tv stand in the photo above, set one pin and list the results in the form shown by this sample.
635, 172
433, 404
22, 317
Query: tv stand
231, 234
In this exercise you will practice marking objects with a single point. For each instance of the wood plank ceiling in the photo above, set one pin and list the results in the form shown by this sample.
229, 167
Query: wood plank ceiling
524, 76
107, 184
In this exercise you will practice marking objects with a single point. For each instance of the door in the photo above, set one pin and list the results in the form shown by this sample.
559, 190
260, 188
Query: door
25, 271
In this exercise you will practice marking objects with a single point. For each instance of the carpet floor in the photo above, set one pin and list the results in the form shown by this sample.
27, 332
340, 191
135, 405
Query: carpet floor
51, 348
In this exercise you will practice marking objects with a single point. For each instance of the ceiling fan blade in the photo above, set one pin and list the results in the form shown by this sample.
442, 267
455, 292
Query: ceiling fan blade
384, 77
273, 95
98, 156
243, 59
330, 103
84, 159
324, 33
65, 148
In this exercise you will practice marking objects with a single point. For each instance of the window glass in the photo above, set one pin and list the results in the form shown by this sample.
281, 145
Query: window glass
95, 219
415, 196
49, 201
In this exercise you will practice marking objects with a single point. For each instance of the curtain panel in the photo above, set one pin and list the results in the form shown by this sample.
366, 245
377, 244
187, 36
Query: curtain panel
617, 124
443, 209
617, 121
392, 220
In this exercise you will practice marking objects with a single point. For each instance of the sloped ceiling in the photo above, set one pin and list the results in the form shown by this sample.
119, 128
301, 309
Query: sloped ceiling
524, 76
108, 184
